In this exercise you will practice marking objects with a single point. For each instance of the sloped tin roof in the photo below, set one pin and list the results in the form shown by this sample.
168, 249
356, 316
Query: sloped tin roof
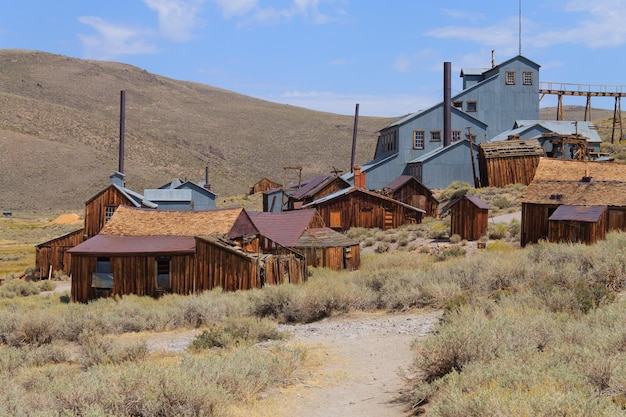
111, 245
284, 228
588, 214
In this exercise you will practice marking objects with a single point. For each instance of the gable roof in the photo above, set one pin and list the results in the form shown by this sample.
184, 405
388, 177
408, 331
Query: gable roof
402, 180
353, 189
558, 182
134, 198
127, 221
442, 149
559, 127
324, 237
589, 214
284, 228
313, 185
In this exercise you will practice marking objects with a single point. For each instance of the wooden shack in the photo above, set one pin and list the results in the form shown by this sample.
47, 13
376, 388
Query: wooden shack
315, 188
509, 162
358, 207
573, 183
52, 256
146, 252
577, 224
469, 217
263, 185
304, 231
407, 189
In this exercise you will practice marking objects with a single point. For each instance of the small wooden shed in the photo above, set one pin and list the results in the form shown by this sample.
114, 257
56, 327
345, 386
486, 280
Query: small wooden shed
358, 207
407, 189
469, 217
263, 185
577, 224
315, 188
573, 183
509, 162
51, 256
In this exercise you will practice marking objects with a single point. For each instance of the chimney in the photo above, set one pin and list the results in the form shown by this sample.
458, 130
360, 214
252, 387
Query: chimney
354, 133
117, 178
447, 103
122, 120
206, 178
359, 177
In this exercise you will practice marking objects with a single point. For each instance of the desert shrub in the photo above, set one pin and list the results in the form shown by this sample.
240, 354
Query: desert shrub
450, 252
438, 230
382, 247
18, 288
514, 228
455, 238
100, 350
403, 242
272, 300
497, 230
237, 331
369, 242
35, 329
502, 202
46, 285
456, 189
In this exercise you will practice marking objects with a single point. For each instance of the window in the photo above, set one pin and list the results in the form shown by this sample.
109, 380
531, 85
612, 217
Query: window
103, 277
388, 142
471, 106
335, 218
108, 212
456, 135
418, 139
527, 78
435, 135
163, 272
458, 104
510, 78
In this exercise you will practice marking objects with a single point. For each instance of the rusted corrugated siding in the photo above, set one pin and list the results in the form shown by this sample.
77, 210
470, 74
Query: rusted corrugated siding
54, 254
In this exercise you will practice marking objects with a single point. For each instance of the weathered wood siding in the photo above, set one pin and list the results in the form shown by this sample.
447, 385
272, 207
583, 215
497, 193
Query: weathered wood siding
225, 269
535, 222
131, 275
577, 232
363, 210
417, 197
95, 209
468, 221
283, 269
264, 185
500, 172
336, 258
52, 256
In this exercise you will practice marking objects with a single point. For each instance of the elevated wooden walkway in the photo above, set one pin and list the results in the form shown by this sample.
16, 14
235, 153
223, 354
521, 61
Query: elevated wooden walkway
588, 90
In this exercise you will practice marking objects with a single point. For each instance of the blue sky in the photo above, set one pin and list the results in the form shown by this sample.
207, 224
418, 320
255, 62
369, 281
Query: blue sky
329, 55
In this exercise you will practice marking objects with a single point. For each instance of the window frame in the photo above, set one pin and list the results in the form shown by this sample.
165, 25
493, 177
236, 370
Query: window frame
416, 145
435, 135
510, 77
109, 211
456, 133
471, 106
529, 80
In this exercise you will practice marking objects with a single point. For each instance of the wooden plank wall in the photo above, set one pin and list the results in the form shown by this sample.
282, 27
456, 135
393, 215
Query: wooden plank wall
500, 172
95, 210
468, 221
217, 267
535, 222
363, 210
54, 254
577, 232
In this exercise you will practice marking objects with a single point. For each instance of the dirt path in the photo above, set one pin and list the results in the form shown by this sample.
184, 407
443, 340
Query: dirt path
359, 361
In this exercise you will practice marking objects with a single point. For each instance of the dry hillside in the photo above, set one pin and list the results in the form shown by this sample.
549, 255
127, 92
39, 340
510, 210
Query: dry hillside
59, 132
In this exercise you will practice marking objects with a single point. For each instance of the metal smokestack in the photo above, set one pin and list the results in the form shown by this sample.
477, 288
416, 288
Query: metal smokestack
356, 123
122, 120
447, 103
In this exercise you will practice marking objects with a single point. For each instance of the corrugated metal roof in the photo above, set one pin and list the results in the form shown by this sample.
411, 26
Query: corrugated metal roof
284, 228
109, 245
128, 221
310, 186
167, 194
352, 189
589, 214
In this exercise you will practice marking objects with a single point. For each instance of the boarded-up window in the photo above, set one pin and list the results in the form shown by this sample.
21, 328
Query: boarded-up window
335, 218
163, 272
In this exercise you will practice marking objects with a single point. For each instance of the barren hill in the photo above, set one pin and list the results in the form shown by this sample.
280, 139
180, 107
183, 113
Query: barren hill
60, 122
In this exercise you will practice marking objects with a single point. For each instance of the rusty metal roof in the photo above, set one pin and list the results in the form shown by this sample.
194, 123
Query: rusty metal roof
324, 237
284, 228
110, 245
315, 184
589, 214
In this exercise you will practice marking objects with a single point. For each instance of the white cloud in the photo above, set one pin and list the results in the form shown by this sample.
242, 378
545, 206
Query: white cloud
236, 7
463, 14
114, 40
250, 11
177, 18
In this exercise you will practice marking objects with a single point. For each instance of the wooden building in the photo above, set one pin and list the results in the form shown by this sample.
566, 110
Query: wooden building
407, 189
509, 162
304, 231
315, 188
147, 252
573, 183
51, 256
577, 224
263, 185
469, 217
358, 207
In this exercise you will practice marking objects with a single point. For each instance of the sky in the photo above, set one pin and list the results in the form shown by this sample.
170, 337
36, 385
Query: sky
330, 55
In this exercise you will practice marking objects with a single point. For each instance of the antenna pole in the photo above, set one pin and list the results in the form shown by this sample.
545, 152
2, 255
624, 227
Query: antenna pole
520, 27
